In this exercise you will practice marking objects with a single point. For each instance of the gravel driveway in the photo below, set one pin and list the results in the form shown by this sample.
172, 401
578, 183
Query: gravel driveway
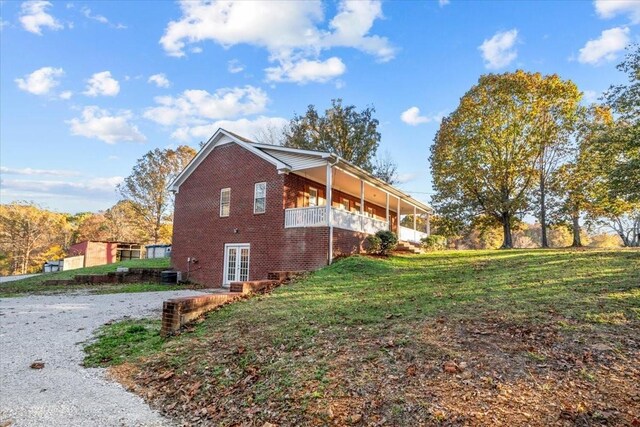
4, 279
51, 328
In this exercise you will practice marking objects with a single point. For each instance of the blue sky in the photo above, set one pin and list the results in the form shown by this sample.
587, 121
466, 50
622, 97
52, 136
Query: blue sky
87, 88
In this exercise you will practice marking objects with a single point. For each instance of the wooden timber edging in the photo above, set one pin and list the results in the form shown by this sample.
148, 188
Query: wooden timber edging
178, 312
134, 275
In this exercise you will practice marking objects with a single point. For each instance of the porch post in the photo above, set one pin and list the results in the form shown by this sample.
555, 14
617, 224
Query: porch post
329, 198
415, 219
387, 213
398, 219
428, 224
361, 205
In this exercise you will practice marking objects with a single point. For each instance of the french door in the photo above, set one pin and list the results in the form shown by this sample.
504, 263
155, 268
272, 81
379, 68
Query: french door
236, 263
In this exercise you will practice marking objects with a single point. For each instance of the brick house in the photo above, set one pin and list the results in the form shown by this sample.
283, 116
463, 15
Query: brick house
243, 209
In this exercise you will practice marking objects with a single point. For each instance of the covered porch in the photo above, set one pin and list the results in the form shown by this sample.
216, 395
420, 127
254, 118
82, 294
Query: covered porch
346, 197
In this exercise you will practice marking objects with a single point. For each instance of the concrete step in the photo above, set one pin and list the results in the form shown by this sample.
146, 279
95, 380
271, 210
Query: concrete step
404, 246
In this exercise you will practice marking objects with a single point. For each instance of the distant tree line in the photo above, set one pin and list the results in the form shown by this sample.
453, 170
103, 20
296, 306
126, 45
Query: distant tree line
31, 235
521, 143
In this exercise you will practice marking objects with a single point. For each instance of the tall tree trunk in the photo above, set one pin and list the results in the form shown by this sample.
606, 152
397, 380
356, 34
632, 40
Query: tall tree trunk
577, 242
507, 242
25, 261
543, 212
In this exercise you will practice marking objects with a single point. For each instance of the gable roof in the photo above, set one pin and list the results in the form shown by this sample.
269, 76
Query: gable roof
220, 137
287, 160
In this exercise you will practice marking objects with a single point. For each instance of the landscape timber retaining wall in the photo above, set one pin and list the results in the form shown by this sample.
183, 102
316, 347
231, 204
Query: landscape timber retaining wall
177, 312
134, 275
252, 286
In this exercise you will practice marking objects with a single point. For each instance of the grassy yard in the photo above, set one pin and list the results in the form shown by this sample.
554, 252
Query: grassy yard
35, 285
522, 337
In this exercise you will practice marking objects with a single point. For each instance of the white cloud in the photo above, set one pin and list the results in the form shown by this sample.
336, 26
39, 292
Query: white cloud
286, 25
101, 19
609, 8
34, 17
403, 178
606, 47
195, 107
305, 71
443, 3
499, 51
412, 117
29, 171
67, 94
351, 26
87, 13
102, 84
110, 128
290, 30
41, 81
234, 66
93, 188
244, 127
160, 80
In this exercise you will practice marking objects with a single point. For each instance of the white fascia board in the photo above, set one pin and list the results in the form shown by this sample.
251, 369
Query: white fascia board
210, 145
291, 150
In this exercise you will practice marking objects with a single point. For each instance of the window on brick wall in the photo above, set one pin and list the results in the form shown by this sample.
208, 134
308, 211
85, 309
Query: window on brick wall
225, 201
313, 196
370, 212
344, 203
260, 198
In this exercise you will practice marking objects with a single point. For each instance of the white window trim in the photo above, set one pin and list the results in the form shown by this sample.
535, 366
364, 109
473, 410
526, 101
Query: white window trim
222, 191
239, 247
255, 197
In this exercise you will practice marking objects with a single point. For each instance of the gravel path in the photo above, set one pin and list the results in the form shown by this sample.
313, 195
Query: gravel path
51, 328
4, 279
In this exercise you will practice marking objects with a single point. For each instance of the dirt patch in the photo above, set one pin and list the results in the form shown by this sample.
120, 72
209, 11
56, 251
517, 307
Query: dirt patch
124, 374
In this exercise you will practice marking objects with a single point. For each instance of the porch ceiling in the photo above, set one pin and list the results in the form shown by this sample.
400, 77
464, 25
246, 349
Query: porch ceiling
349, 184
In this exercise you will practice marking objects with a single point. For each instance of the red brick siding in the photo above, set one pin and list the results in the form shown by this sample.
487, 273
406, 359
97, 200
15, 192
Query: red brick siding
200, 232
347, 242
305, 248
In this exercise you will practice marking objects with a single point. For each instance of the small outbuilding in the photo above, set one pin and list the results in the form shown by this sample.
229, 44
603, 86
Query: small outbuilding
158, 251
101, 253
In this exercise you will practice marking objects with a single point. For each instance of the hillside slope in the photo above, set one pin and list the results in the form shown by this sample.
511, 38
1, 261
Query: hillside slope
523, 337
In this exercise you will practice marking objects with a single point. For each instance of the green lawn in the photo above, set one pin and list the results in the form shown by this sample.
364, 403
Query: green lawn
539, 335
35, 285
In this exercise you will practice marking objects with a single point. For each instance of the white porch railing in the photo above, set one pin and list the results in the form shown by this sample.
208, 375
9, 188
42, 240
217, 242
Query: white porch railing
357, 222
411, 235
316, 216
